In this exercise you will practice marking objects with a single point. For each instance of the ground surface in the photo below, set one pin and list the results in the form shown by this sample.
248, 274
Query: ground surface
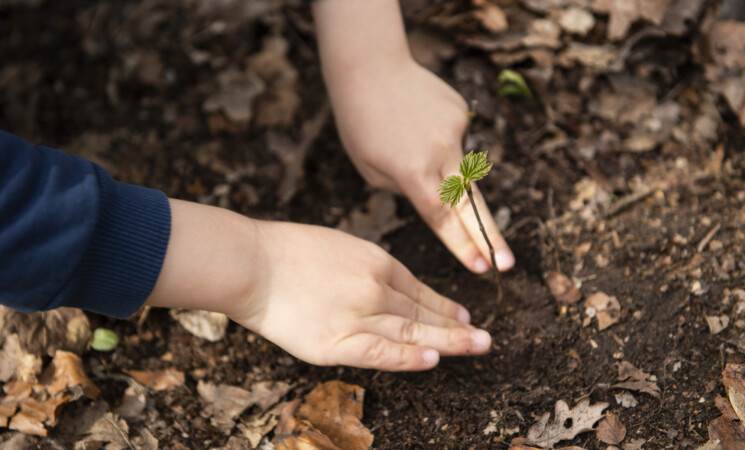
129, 85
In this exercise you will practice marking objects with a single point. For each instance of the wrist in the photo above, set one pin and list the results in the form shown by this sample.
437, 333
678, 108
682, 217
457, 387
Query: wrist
357, 37
212, 261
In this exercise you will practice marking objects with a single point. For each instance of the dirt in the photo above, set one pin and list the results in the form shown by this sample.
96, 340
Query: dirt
56, 85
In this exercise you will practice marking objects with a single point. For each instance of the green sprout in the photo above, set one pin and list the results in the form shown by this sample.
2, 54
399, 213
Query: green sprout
104, 340
473, 167
513, 84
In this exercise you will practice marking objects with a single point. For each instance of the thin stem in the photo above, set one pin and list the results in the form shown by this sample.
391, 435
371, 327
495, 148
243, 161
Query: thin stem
497, 275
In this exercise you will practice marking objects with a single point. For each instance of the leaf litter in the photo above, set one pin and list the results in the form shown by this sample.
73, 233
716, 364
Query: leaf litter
566, 424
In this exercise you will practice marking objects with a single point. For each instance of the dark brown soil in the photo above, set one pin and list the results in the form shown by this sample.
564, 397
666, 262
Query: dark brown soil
54, 92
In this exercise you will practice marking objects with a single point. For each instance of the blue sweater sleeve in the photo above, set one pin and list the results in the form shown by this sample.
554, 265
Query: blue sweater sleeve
72, 236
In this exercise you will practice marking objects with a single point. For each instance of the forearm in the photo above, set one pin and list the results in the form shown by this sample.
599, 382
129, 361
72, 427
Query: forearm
212, 261
356, 36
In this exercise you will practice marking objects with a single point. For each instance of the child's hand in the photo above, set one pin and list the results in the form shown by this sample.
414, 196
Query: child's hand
401, 125
324, 296
330, 298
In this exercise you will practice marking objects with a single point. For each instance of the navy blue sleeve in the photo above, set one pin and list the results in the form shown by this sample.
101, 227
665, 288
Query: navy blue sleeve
72, 236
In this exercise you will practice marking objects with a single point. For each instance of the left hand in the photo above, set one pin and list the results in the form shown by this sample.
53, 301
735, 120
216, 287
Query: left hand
402, 127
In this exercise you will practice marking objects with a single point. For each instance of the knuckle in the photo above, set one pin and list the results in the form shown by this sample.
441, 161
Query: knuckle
376, 354
411, 332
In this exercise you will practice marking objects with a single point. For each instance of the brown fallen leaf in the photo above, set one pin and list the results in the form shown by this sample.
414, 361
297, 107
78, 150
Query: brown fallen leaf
66, 373
158, 380
225, 403
47, 331
16, 362
611, 430
717, 324
595, 57
562, 288
635, 444
623, 13
335, 409
733, 378
207, 325
567, 423
256, 427
279, 104
294, 434
636, 380
729, 433
377, 219
576, 20
234, 98
604, 307
490, 16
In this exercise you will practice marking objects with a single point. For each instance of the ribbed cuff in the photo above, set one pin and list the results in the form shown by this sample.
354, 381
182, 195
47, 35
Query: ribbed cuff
122, 263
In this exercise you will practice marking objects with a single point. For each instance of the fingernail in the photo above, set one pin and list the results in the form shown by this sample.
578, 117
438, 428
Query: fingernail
505, 259
481, 339
480, 266
431, 357
464, 316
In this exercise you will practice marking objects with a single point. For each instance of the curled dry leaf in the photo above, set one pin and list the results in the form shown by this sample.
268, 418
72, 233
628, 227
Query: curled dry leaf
562, 288
729, 433
158, 380
580, 419
202, 324
329, 415
278, 106
611, 430
225, 403
604, 307
636, 380
66, 373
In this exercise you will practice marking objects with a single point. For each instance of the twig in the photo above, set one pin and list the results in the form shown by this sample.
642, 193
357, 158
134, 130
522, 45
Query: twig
709, 236
632, 198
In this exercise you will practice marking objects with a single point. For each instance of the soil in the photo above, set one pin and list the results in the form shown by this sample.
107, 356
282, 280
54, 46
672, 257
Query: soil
645, 255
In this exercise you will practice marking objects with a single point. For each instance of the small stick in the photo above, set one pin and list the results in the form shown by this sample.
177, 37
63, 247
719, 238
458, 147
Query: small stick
497, 275
709, 236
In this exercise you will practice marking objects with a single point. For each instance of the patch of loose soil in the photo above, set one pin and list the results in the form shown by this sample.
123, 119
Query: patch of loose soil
65, 82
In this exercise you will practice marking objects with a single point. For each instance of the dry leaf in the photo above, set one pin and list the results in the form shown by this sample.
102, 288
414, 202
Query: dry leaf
66, 373
580, 419
202, 324
635, 444
17, 363
636, 380
729, 433
294, 434
335, 409
542, 33
329, 417
158, 380
108, 429
595, 57
611, 430
562, 288
491, 16
234, 98
255, 428
711, 445
577, 21
225, 403
45, 332
605, 308
377, 219
733, 378
278, 105
133, 404
717, 324
623, 13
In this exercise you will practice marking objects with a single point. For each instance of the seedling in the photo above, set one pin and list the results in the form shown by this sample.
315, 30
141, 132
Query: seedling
513, 84
104, 340
473, 167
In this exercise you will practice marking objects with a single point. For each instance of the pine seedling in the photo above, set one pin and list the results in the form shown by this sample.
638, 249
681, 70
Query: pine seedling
473, 167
